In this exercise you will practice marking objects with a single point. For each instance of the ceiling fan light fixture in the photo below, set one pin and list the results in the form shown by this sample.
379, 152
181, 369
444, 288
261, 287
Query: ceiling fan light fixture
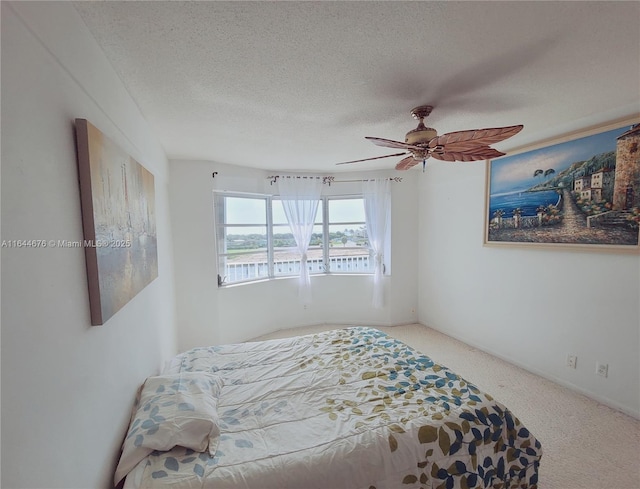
420, 135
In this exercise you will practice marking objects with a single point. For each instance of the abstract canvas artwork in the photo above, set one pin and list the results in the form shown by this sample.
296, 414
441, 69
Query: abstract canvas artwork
118, 216
581, 192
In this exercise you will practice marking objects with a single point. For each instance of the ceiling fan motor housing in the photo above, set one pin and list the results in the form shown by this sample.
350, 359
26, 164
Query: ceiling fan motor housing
421, 135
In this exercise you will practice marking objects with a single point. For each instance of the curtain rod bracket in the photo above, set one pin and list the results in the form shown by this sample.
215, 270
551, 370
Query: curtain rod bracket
328, 180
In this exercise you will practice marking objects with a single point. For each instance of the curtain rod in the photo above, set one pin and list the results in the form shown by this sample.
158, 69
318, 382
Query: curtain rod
329, 180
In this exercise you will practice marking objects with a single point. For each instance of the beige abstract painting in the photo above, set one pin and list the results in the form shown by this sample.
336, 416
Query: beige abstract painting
118, 213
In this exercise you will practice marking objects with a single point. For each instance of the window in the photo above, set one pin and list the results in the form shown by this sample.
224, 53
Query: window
348, 245
286, 257
243, 241
254, 240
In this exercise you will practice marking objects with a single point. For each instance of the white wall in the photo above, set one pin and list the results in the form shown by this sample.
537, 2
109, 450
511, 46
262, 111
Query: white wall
208, 314
529, 306
67, 387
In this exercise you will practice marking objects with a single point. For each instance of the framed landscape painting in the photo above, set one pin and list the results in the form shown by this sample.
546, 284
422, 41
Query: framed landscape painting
577, 193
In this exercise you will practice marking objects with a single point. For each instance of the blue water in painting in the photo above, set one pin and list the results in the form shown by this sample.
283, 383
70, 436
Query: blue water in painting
527, 201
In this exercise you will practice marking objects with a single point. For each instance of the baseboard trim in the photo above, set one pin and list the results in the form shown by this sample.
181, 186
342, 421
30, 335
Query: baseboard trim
585, 392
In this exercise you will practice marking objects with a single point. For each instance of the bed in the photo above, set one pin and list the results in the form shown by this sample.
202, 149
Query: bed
346, 409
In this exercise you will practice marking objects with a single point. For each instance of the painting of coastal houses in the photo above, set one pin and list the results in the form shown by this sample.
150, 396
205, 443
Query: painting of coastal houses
583, 192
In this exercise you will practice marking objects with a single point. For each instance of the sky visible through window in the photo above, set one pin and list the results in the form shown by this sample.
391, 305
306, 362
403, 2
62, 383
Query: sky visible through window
253, 211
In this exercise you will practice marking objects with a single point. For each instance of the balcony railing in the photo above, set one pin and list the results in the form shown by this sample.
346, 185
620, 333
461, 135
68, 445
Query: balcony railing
241, 271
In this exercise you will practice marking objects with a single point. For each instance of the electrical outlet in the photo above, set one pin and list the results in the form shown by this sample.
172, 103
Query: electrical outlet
602, 369
572, 361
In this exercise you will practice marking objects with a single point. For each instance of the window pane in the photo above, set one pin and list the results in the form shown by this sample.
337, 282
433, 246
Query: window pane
239, 238
239, 267
286, 257
349, 260
341, 235
287, 261
346, 210
279, 216
242, 210
316, 237
283, 237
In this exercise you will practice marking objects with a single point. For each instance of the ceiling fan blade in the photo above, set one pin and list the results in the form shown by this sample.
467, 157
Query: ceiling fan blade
406, 163
476, 153
369, 159
466, 140
388, 143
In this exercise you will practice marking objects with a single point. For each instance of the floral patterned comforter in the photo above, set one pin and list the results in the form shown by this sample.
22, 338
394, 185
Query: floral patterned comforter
353, 409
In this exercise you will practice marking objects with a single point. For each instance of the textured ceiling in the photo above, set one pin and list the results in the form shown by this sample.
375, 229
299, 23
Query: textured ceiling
297, 85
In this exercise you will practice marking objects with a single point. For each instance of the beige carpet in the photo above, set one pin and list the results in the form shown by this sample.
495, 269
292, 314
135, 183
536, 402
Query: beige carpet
586, 445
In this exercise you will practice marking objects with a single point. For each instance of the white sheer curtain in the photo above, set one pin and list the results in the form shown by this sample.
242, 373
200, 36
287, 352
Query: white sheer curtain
377, 207
300, 197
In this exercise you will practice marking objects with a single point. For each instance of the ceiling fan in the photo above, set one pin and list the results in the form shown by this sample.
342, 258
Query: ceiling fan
423, 142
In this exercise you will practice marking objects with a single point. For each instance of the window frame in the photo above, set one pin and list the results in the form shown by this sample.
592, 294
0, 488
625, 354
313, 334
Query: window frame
220, 224
277, 198
328, 222
219, 239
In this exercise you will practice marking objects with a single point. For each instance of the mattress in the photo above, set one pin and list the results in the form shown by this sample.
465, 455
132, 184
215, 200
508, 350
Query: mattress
346, 409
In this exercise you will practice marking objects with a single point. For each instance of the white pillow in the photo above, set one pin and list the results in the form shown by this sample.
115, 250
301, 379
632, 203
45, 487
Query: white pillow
173, 410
